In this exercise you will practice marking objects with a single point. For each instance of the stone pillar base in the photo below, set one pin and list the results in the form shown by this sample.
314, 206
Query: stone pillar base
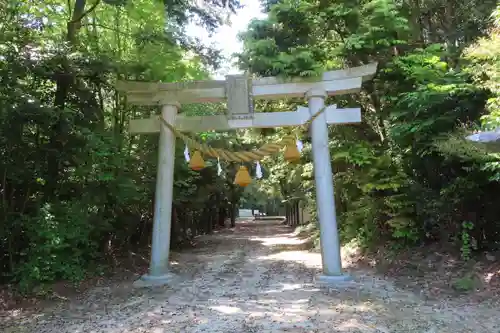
334, 280
148, 281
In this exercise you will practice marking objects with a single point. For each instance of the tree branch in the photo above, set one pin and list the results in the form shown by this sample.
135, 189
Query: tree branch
90, 10
108, 28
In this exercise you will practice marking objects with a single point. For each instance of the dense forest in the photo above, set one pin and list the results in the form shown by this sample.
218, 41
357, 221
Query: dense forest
76, 188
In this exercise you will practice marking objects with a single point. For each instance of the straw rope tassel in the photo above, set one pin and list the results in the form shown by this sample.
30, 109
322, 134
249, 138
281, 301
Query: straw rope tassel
239, 156
242, 177
197, 163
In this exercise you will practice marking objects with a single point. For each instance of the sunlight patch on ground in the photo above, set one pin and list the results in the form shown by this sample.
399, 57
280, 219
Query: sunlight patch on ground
289, 287
358, 308
289, 319
309, 259
158, 330
489, 276
279, 240
226, 309
257, 314
15, 313
351, 324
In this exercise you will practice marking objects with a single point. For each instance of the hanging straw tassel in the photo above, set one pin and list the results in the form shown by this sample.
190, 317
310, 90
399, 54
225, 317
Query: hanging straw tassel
292, 153
219, 168
300, 145
197, 163
242, 177
258, 170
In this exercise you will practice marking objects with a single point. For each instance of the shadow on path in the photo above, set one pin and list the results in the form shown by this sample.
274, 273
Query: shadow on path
256, 277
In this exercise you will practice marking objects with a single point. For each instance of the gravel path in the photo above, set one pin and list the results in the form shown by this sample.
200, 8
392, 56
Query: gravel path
255, 278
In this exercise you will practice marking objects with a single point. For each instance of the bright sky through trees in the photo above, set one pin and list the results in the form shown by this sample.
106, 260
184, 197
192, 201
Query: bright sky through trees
226, 37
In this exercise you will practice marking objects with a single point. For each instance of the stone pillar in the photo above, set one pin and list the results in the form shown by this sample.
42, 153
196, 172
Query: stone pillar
325, 199
162, 220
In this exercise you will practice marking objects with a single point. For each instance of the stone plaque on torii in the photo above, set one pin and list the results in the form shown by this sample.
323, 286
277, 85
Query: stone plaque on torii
239, 92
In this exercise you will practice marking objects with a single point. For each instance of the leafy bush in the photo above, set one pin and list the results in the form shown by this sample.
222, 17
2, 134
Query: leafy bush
60, 244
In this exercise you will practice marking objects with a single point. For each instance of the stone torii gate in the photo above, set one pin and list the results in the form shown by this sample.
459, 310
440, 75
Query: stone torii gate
239, 91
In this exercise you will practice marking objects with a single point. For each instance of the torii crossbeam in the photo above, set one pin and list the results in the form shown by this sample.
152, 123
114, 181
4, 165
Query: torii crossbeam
239, 91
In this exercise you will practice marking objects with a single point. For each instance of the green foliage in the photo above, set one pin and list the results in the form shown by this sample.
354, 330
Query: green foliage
75, 187
466, 283
60, 244
405, 175
467, 240
485, 68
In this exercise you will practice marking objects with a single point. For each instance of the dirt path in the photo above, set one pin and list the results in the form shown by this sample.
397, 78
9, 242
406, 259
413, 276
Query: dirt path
255, 279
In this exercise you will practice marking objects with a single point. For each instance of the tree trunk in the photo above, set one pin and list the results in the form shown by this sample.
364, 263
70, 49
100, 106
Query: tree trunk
221, 217
64, 79
297, 214
233, 215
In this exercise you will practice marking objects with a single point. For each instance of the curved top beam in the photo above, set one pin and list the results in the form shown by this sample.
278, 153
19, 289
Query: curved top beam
365, 72
333, 82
